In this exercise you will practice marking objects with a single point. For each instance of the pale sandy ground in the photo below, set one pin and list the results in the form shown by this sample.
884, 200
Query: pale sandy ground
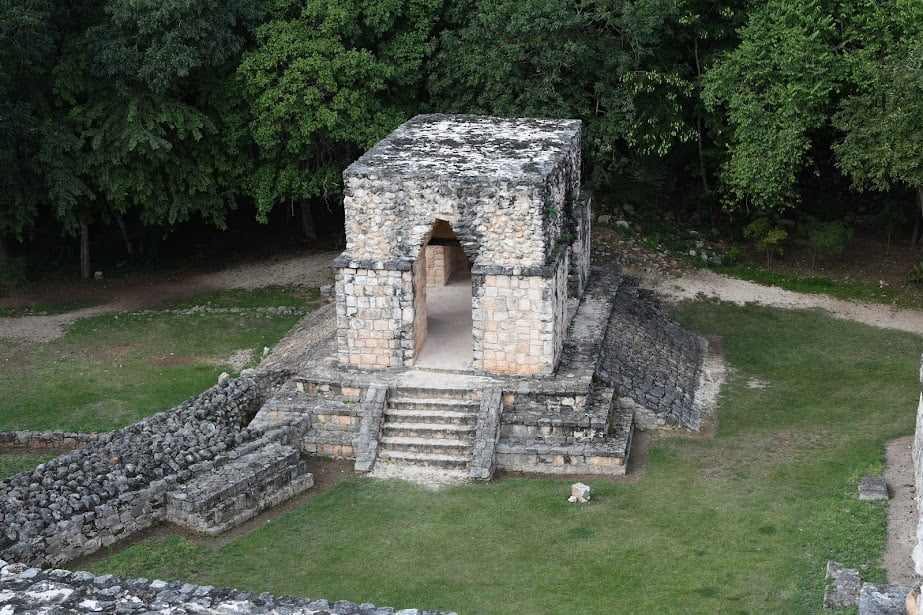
311, 269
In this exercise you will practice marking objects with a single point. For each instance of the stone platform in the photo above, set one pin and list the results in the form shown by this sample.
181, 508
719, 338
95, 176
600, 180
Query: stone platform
468, 423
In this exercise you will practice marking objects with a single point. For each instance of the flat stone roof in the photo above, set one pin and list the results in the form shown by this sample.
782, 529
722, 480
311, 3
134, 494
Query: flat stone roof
470, 149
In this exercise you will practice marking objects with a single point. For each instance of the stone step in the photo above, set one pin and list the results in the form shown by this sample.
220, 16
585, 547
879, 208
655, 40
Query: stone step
434, 404
414, 392
429, 430
431, 460
442, 446
433, 417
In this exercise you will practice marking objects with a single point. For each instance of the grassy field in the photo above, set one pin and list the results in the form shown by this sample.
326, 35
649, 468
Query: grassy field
109, 371
742, 522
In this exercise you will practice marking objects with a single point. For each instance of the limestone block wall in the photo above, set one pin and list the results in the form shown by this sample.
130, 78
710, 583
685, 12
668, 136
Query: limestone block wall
376, 316
519, 318
418, 308
504, 185
442, 261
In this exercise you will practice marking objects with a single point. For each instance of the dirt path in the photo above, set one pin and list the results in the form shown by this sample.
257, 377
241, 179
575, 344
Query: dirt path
311, 269
692, 284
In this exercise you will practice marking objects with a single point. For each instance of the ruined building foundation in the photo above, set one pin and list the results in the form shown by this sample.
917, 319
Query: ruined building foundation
470, 333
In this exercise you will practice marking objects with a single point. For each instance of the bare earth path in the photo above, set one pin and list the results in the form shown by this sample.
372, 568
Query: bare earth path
710, 284
310, 269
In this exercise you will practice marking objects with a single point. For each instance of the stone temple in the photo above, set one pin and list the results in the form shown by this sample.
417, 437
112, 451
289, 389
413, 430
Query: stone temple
470, 330
495, 200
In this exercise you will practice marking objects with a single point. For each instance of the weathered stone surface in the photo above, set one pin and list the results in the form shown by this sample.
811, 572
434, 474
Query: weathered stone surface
882, 599
239, 490
842, 586
31, 590
508, 191
483, 459
115, 485
652, 361
873, 488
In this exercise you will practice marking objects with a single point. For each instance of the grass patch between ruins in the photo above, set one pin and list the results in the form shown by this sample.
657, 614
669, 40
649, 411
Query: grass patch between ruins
109, 371
742, 522
266, 296
12, 463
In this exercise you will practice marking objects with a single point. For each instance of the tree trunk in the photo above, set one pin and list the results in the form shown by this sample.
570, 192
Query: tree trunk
307, 222
84, 249
124, 231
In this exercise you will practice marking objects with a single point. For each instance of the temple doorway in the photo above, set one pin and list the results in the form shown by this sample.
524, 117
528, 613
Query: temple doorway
448, 303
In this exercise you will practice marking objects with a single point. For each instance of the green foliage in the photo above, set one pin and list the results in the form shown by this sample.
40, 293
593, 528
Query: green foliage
828, 237
266, 296
766, 236
108, 371
12, 463
550, 59
915, 275
883, 119
144, 134
765, 502
326, 82
27, 48
852, 291
778, 88
12, 271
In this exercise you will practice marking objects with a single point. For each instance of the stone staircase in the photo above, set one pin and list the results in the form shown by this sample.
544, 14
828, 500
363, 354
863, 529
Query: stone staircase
429, 428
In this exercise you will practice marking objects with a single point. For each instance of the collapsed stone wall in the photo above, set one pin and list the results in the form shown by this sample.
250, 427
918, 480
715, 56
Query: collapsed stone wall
654, 363
32, 590
115, 485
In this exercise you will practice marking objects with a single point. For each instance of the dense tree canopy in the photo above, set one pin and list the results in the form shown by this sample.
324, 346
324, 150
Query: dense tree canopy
126, 115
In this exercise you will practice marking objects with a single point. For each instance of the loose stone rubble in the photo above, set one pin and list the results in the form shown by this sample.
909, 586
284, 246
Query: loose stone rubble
115, 485
25, 590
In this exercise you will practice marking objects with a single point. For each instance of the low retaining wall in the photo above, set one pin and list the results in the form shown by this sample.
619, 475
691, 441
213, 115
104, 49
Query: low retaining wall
45, 439
114, 486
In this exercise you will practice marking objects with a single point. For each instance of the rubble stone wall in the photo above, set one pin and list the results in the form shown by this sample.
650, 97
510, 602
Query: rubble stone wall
33, 590
115, 485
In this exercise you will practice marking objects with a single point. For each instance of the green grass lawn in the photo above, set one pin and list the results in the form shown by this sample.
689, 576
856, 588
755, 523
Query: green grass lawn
109, 371
15, 462
740, 523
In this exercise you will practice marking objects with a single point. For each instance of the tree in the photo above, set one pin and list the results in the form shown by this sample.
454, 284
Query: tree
325, 82
143, 137
559, 59
779, 88
882, 120
27, 51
